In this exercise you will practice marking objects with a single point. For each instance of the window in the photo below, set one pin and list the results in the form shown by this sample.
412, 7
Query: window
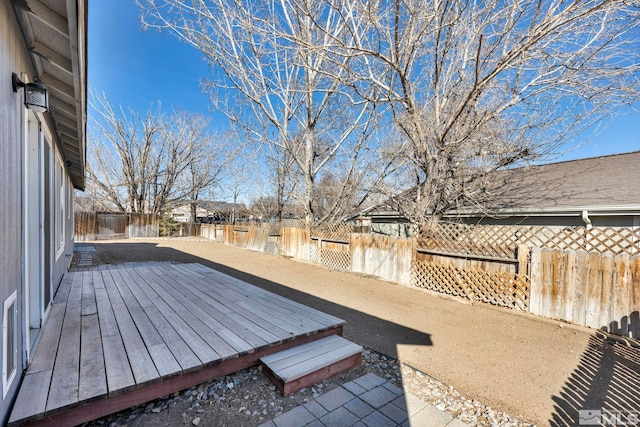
10, 343
67, 196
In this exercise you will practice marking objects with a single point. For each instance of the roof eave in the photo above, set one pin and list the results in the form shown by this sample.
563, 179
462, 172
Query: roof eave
66, 54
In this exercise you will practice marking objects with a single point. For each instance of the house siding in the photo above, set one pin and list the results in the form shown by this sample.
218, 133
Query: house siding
13, 116
12, 59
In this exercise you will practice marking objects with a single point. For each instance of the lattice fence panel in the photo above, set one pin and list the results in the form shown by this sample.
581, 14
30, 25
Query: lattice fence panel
489, 240
338, 260
498, 288
313, 253
332, 231
291, 223
502, 240
438, 278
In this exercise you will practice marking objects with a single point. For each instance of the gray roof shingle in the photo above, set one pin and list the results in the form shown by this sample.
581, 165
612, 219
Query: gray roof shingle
599, 183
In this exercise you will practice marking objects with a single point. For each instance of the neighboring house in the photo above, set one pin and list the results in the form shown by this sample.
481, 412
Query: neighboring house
600, 191
42, 159
206, 211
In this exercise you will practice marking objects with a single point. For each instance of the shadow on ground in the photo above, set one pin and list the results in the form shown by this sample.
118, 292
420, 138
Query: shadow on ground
605, 387
370, 331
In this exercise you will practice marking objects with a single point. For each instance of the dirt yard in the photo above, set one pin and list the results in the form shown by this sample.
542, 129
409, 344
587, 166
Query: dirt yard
536, 370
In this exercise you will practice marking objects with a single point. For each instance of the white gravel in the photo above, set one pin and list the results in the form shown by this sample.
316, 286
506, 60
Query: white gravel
247, 398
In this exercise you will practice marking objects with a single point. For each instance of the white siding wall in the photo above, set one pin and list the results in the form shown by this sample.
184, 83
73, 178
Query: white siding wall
14, 59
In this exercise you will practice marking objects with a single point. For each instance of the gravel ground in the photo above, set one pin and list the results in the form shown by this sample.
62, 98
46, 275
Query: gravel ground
247, 398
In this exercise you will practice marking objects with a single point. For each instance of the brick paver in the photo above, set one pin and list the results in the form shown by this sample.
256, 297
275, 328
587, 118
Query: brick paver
378, 397
335, 398
368, 401
298, 416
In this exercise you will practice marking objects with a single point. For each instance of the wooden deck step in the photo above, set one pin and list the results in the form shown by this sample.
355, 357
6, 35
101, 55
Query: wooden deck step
310, 363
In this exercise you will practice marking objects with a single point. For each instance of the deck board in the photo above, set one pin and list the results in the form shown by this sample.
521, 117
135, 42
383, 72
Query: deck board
140, 360
67, 364
225, 319
88, 294
36, 386
249, 307
119, 335
185, 308
92, 381
117, 369
204, 352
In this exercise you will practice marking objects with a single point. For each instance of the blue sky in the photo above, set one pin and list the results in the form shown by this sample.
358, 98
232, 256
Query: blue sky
137, 69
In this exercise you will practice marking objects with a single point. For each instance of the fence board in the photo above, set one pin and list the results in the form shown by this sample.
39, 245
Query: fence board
621, 292
227, 234
607, 292
634, 308
257, 238
580, 288
557, 283
84, 226
208, 231
535, 301
295, 242
593, 303
566, 302
387, 257
547, 283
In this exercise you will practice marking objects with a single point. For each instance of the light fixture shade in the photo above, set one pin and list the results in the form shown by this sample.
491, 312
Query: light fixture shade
36, 95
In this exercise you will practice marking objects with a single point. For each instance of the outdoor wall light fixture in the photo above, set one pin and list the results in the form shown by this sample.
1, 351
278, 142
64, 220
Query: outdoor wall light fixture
36, 96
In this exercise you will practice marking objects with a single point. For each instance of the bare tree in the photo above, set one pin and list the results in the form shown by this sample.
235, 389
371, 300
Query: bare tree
146, 164
478, 86
294, 96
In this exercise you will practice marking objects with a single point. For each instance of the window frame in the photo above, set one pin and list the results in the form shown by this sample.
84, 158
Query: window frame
8, 377
59, 205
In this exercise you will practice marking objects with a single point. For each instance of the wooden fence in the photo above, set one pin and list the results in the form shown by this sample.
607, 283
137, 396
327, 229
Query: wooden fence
588, 288
600, 290
493, 280
386, 257
111, 225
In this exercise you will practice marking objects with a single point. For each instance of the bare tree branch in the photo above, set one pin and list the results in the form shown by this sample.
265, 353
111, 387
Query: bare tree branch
146, 164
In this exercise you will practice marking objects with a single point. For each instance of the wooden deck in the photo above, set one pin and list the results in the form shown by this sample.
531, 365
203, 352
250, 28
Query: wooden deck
119, 336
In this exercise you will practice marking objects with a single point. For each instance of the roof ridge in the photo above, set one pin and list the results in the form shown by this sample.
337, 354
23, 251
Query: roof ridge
580, 160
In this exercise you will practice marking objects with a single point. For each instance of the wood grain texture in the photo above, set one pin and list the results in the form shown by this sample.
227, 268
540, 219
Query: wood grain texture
304, 360
121, 334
